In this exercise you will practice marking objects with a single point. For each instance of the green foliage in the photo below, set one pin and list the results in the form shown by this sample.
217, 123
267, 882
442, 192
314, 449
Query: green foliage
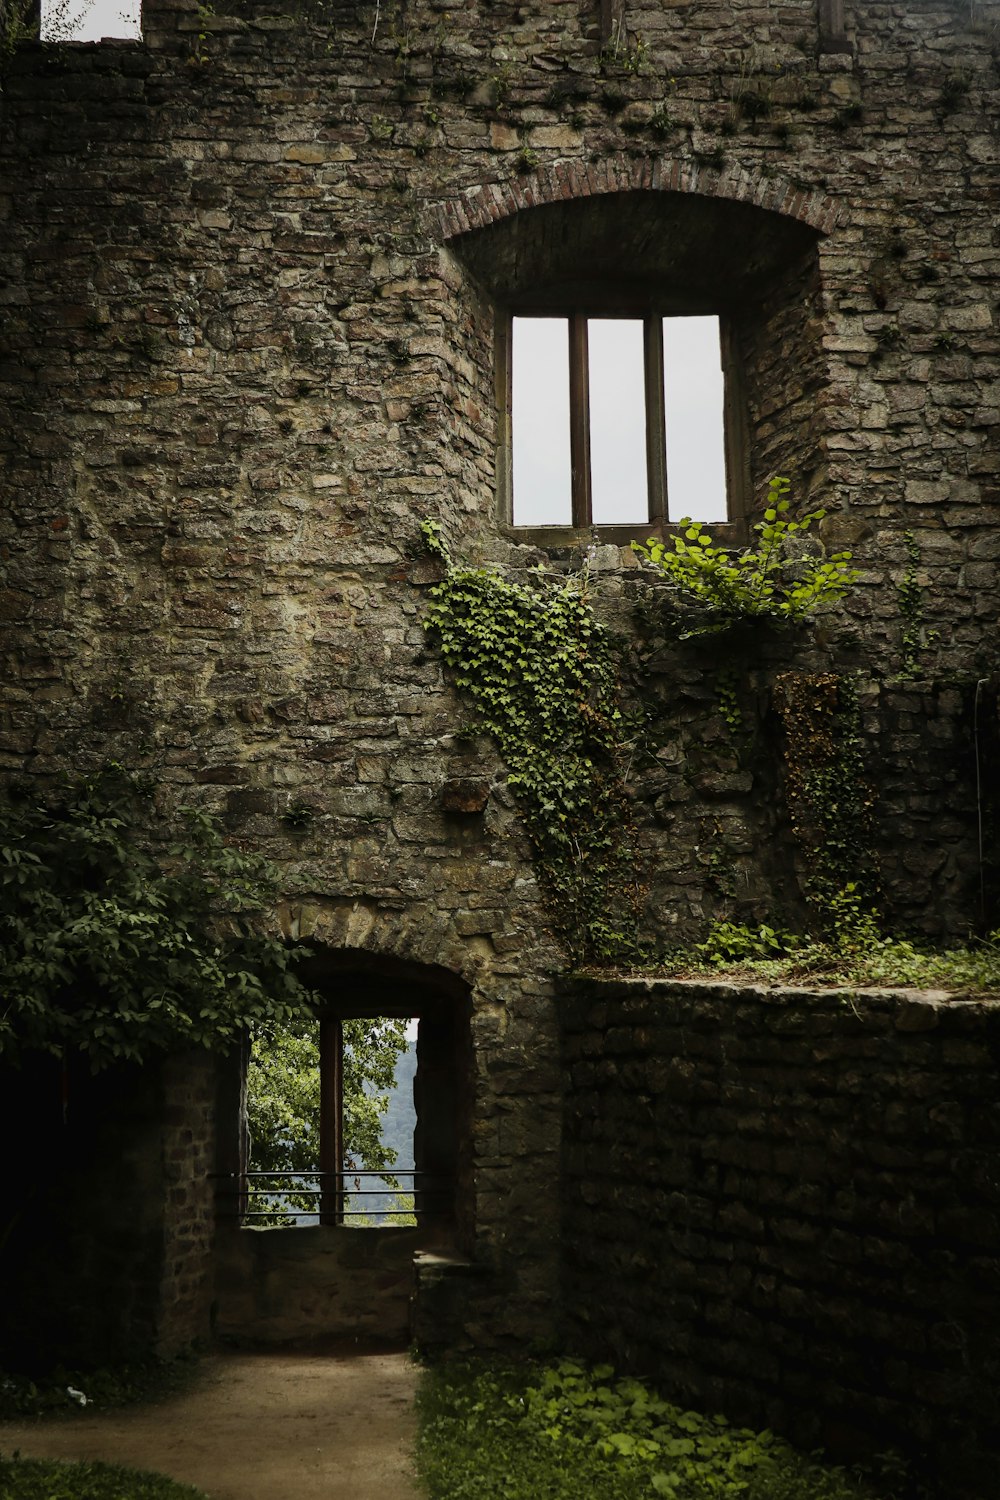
539, 668
562, 1432
62, 1392
299, 815
855, 953
116, 949
731, 942
830, 800
914, 636
728, 701
44, 1479
283, 1102
18, 24
717, 589
621, 53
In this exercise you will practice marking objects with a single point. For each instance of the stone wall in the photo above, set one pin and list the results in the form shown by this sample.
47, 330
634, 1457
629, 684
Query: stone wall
247, 344
300, 1285
109, 1216
190, 1131
794, 1197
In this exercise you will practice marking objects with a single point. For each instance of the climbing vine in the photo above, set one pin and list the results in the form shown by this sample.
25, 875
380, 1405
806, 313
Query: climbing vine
914, 636
829, 798
539, 669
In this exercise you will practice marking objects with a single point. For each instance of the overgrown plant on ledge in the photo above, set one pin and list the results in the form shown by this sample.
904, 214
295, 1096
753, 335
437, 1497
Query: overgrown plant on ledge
539, 667
714, 588
855, 954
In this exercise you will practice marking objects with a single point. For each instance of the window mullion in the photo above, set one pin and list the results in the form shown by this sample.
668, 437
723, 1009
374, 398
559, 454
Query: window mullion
735, 438
504, 386
579, 419
656, 422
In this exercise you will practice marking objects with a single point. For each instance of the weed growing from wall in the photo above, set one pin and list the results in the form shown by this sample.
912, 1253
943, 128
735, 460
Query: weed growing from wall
539, 668
829, 799
713, 589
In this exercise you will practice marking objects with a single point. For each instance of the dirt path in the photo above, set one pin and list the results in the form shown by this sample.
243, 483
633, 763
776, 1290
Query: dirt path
268, 1426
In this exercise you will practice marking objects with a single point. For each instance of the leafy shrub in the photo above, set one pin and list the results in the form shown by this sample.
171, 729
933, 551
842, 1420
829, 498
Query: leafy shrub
40, 1479
562, 1432
762, 582
730, 942
115, 946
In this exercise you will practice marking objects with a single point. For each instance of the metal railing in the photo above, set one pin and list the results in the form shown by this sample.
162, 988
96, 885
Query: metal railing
330, 1197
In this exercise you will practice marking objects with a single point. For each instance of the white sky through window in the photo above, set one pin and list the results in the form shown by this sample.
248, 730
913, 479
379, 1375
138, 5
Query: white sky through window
540, 422
694, 408
91, 20
619, 486
694, 395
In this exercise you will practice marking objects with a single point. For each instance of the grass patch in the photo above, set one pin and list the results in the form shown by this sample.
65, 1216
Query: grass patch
561, 1432
63, 1392
42, 1479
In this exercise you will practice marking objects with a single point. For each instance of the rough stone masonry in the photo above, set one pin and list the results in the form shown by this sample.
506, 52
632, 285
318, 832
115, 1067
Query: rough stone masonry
255, 269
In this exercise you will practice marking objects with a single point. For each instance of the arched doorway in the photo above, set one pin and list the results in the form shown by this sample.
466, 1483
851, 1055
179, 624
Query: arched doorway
339, 1269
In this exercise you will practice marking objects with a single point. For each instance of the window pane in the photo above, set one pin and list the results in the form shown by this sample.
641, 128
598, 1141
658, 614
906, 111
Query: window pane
90, 20
694, 397
618, 478
380, 1063
540, 422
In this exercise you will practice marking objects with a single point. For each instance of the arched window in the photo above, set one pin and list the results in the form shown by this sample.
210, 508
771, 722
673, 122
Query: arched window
640, 339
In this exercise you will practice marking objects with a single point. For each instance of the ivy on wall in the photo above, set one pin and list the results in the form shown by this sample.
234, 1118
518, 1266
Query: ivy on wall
539, 667
830, 801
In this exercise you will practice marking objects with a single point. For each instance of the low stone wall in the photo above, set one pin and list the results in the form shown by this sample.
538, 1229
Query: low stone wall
786, 1205
297, 1285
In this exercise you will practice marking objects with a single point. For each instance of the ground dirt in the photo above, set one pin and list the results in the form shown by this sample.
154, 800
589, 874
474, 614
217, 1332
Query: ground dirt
336, 1425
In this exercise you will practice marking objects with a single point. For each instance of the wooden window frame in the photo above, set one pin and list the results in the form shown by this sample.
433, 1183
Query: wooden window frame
581, 527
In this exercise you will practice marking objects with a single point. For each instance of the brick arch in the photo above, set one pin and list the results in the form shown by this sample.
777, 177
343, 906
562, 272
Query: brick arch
482, 204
